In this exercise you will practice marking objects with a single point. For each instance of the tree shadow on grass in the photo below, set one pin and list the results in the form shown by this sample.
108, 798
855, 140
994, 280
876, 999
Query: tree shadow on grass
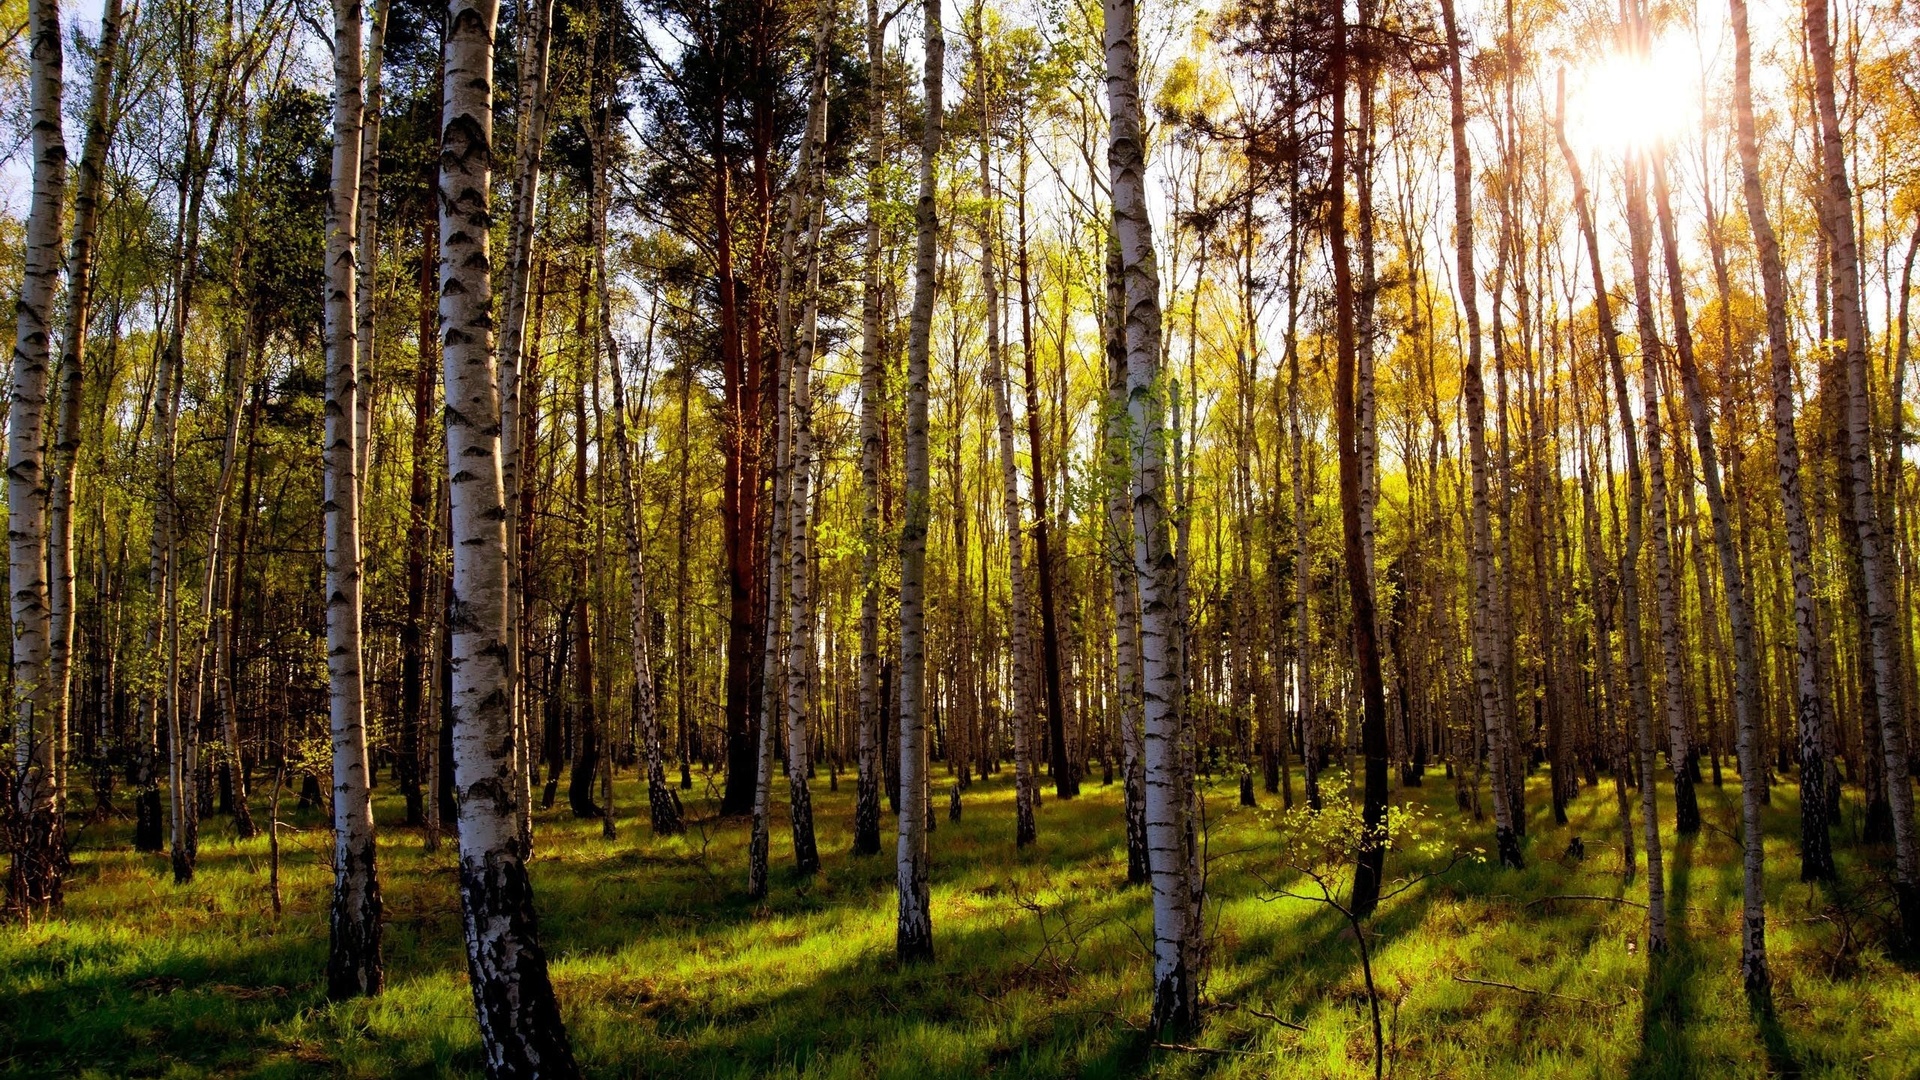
160, 1010
1669, 997
989, 1001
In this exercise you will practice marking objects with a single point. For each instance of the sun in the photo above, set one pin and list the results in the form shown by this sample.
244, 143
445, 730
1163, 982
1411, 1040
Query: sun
1625, 101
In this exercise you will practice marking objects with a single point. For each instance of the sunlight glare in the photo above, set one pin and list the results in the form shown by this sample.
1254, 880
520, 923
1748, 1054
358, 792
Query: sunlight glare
1621, 101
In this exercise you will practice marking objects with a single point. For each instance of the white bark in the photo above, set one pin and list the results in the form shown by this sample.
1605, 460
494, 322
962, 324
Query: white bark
809, 199
353, 961
40, 849
866, 828
1489, 680
101, 122
531, 114
1837, 211
520, 1026
1816, 852
913, 939
1629, 558
1177, 929
1665, 583
1746, 664
1020, 615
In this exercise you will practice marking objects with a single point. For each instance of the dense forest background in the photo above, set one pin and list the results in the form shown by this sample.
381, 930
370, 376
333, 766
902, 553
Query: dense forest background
1253, 451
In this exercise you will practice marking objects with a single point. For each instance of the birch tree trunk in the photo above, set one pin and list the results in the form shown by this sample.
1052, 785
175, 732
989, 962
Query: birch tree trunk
1665, 582
1488, 677
65, 449
1881, 619
353, 959
366, 238
1065, 764
1177, 929
1746, 663
663, 802
866, 811
520, 1025
913, 939
531, 121
1019, 615
39, 853
809, 202
1124, 586
1371, 858
1638, 689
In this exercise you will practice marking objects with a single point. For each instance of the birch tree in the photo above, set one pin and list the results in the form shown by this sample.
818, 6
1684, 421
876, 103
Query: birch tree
1882, 623
866, 813
520, 1028
913, 940
1816, 851
1488, 677
353, 960
1020, 616
1171, 853
39, 854
102, 120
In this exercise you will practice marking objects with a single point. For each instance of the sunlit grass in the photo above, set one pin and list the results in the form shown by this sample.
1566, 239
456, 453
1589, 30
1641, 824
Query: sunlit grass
665, 969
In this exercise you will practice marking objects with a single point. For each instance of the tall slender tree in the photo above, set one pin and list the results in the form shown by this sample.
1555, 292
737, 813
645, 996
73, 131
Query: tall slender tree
1816, 845
39, 852
520, 1028
1171, 843
913, 939
353, 961
1837, 210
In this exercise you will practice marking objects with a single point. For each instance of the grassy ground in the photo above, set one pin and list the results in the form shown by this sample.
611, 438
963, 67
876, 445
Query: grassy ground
663, 969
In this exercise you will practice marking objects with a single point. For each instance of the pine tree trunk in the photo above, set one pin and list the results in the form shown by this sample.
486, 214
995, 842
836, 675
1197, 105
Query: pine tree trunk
587, 751
414, 632
520, 1026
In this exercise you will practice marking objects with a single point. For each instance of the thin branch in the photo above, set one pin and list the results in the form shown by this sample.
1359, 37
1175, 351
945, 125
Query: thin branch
1532, 992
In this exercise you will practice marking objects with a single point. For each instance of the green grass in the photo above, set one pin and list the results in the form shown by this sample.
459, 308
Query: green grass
664, 969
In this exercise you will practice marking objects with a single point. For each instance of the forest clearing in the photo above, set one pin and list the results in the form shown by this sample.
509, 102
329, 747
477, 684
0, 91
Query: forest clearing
664, 968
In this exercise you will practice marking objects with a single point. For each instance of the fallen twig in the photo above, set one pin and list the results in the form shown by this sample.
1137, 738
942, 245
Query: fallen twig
1264, 1015
1526, 990
1584, 896
1186, 1049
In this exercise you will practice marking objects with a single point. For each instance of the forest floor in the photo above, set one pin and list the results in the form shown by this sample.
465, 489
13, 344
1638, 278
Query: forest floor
665, 969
